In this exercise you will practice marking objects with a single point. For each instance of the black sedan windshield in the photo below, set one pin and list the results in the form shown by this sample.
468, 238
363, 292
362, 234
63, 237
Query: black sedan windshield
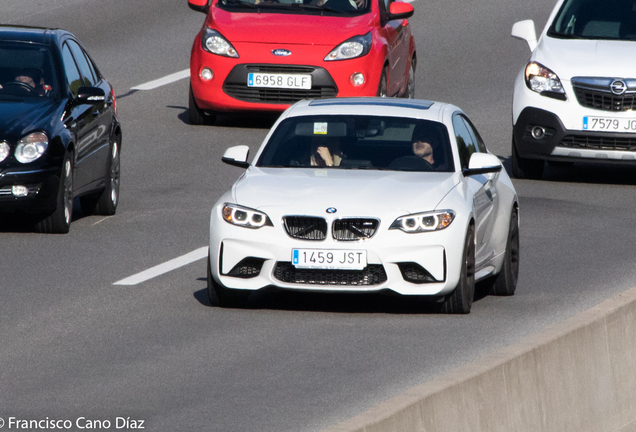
596, 19
359, 142
26, 70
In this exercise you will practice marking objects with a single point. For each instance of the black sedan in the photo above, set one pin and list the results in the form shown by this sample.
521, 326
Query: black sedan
59, 133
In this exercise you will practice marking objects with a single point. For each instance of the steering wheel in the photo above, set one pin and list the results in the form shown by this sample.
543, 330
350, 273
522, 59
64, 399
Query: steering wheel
21, 85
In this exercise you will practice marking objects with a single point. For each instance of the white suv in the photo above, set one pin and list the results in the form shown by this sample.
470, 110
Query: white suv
576, 97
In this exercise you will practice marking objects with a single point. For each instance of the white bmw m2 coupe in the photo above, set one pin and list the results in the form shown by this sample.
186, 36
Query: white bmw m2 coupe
367, 195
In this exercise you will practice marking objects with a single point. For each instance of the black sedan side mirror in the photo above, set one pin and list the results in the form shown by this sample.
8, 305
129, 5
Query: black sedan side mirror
90, 95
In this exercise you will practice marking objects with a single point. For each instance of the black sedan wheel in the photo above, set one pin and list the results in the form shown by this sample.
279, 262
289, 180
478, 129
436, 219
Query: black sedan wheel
461, 300
105, 202
59, 222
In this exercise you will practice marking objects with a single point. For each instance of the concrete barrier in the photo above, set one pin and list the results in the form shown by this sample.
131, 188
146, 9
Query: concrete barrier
578, 375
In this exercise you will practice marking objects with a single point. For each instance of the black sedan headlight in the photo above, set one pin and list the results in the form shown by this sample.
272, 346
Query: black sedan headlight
357, 46
424, 222
245, 217
31, 147
4, 150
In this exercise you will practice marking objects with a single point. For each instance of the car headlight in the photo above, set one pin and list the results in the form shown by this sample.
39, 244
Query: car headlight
424, 222
357, 46
4, 150
245, 217
213, 42
31, 147
541, 79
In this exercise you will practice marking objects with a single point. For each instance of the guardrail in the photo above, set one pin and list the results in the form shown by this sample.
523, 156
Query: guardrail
578, 375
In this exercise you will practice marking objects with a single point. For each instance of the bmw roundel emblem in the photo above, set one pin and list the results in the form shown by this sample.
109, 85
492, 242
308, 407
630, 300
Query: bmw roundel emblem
331, 210
280, 52
618, 87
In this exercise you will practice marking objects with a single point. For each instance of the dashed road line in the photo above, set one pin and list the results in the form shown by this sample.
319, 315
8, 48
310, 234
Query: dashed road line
177, 76
166, 267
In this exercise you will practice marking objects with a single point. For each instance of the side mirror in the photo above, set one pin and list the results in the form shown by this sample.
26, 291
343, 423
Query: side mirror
400, 10
237, 156
199, 5
482, 163
90, 95
525, 30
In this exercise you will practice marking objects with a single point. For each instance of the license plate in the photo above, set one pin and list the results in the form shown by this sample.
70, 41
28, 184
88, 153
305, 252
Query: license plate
609, 124
329, 259
275, 80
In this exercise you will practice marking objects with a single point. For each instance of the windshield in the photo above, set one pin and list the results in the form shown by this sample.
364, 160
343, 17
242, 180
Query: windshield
596, 19
359, 142
309, 7
26, 70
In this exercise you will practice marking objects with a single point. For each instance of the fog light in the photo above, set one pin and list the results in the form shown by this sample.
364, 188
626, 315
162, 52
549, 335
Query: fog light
538, 132
357, 79
207, 74
19, 191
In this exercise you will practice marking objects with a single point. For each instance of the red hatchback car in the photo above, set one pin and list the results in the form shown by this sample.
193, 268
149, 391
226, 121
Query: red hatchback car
264, 55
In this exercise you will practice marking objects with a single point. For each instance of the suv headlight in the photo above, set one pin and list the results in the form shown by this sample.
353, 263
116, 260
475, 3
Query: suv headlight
357, 46
245, 217
213, 42
541, 79
424, 222
31, 147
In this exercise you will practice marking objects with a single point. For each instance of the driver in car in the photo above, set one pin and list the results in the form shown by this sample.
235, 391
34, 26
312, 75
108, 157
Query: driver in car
424, 145
30, 77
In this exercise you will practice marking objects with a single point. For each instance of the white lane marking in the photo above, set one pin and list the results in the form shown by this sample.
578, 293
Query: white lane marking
166, 267
177, 76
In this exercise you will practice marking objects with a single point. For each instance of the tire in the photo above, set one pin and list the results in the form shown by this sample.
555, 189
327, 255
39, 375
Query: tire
59, 222
225, 297
525, 168
105, 203
384, 83
197, 116
505, 282
461, 299
409, 93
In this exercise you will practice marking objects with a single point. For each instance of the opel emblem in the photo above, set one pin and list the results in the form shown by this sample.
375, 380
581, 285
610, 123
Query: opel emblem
618, 87
281, 52
331, 210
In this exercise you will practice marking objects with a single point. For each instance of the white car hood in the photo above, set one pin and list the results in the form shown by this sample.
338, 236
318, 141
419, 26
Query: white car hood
351, 192
592, 58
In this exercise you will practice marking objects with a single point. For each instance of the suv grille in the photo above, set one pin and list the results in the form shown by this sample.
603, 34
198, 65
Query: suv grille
354, 229
305, 227
596, 93
372, 274
605, 100
599, 143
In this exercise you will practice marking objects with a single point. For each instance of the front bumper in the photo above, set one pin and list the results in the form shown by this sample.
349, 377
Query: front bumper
42, 183
227, 91
565, 139
409, 264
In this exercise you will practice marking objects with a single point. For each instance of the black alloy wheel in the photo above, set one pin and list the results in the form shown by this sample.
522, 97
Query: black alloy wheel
59, 222
384, 83
410, 85
505, 282
460, 300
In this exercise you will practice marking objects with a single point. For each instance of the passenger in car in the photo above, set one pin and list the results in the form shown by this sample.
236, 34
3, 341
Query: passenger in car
325, 152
